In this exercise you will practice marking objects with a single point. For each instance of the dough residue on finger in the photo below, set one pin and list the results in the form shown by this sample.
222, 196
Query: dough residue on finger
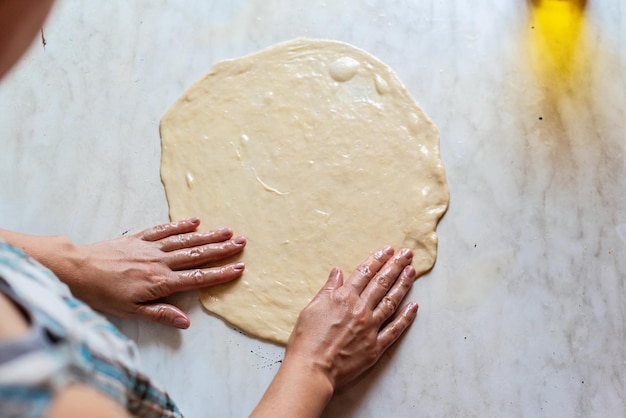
316, 152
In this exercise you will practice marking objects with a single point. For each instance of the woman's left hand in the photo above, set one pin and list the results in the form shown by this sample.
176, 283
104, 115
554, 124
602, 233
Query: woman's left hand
129, 276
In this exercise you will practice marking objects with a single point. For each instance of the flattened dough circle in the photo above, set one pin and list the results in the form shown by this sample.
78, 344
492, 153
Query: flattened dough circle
314, 151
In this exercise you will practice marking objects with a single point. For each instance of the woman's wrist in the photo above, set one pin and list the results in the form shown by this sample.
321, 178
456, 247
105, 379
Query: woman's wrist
68, 263
300, 388
57, 253
311, 375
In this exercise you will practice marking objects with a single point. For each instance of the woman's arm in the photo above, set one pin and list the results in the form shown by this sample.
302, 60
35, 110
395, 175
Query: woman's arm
72, 401
341, 333
127, 276
80, 401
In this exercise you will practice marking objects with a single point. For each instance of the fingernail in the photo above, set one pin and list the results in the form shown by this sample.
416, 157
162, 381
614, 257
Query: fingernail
224, 231
239, 240
181, 323
388, 250
410, 271
413, 307
407, 253
194, 220
239, 266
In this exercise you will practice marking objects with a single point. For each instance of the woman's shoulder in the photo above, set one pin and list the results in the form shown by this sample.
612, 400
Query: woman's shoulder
15, 323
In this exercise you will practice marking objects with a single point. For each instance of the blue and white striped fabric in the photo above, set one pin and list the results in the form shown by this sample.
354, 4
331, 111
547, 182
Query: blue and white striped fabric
67, 343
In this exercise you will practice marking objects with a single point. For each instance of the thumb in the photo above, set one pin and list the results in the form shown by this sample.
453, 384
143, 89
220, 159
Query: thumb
165, 314
334, 282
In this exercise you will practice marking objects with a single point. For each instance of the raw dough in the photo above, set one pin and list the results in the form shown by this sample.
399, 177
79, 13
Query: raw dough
314, 151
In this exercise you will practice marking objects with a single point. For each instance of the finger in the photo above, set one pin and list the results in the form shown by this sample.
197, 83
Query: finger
195, 239
165, 314
386, 277
393, 330
334, 282
196, 279
391, 301
190, 258
158, 232
366, 270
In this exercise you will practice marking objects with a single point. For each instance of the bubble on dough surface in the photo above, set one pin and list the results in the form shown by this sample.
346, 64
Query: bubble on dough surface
343, 69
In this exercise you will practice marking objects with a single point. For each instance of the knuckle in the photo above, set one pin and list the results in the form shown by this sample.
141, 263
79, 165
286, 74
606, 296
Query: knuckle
153, 274
384, 281
183, 240
161, 287
195, 252
360, 322
389, 304
399, 260
196, 277
405, 285
364, 270
361, 315
395, 329
157, 282
160, 313
379, 255
341, 298
159, 229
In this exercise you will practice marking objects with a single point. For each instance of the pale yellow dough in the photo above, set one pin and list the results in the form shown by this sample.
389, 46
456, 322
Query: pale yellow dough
314, 151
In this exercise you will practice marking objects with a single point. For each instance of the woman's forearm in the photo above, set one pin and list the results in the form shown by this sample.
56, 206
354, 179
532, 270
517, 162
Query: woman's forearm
298, 390
58, 253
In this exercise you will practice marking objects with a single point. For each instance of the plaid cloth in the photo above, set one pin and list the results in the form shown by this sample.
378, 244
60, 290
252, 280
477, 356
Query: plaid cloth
67, 343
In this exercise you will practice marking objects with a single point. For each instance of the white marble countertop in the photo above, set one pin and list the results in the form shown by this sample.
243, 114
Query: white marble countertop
524, 313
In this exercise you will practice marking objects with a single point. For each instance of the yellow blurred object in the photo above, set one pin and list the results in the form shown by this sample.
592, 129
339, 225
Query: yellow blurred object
556, 29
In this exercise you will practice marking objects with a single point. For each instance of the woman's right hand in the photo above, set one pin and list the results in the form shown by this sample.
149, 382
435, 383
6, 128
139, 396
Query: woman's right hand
341, 333
344, 330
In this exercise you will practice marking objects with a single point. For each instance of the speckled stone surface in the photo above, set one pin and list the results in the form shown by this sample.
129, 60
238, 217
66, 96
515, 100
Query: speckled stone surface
523, 314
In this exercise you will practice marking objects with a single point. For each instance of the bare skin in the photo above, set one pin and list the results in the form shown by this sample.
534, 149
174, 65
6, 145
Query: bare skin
20, 21
127, 277
14, 323
340, 334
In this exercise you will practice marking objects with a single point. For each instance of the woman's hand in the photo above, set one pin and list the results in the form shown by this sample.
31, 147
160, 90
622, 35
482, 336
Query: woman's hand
341, 333
128, 276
